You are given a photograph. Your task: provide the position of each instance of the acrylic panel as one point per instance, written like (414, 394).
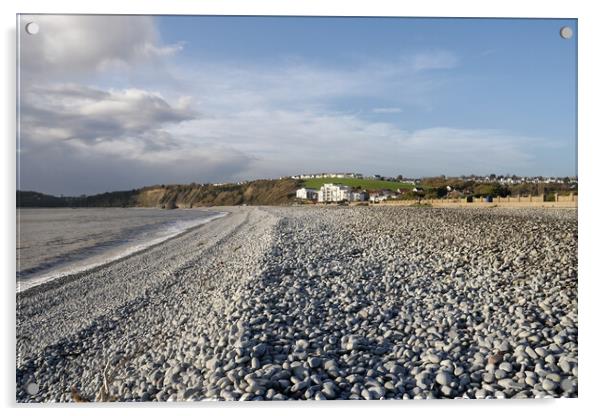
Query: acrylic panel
(295, 208)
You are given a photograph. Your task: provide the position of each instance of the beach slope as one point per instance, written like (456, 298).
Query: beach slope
(317, 303)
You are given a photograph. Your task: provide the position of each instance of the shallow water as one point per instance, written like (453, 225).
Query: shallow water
(55, 242)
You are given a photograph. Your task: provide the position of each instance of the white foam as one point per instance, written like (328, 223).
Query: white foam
(174, 230)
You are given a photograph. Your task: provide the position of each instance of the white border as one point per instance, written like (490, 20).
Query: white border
(590, 33)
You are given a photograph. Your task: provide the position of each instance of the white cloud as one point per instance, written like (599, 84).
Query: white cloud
(78, 139)
(301, 85)
(92, 115)
(434, 60)
(284, 142)
(80, 44)
(387, 110)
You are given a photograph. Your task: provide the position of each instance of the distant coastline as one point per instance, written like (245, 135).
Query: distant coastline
(283, 191)
(260, 192)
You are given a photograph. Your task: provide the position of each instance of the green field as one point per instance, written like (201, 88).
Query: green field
(366, 184)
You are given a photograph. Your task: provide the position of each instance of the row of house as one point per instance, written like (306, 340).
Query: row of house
(352, 175)
(228, 183)
(513, 179)
(327, 175)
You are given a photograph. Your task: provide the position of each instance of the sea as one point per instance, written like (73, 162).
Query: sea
(54, 242)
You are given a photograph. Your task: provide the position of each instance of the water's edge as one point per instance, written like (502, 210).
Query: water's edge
(27, 284)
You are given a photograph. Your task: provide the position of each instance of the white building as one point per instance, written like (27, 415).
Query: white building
(334, 193)
(376, 198)
(359, 196)
(307, 193)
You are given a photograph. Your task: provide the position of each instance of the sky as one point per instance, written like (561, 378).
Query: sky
(119, 102)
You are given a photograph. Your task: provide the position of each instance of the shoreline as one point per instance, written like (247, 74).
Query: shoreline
(276, 303)
(28, 284)
(124, 278)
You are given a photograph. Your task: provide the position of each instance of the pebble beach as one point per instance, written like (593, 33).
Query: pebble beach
(317, 303)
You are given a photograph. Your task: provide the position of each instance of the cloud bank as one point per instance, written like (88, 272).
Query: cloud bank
(77, 134)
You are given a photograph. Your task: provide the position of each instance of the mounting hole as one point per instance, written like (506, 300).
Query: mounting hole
(32, 388)
(32, 28)
(566, 32)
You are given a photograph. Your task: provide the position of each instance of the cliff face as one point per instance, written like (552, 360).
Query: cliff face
(264, 192)
(261, 192)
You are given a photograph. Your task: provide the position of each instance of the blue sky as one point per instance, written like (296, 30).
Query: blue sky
(230, 98)
(505, 67)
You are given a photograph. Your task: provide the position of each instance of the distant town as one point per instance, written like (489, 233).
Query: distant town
(492, 178)
(356, 187)
(504, 179)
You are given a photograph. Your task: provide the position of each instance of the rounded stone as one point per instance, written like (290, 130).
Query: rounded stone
(443, 378)
(314, 362)
(568, 386)
(549, 385)
(505, 366)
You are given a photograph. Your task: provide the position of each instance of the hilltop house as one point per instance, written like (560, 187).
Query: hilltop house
(380, 196)
(307, 193)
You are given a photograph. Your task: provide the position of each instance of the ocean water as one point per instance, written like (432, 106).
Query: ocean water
(56, 242)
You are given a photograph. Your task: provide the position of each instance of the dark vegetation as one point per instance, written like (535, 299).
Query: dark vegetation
(437, 188)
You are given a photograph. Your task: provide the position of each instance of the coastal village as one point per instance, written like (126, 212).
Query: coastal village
(371, 189)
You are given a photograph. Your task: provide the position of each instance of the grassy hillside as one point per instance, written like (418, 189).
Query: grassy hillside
(366, 184)
(260, 192)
